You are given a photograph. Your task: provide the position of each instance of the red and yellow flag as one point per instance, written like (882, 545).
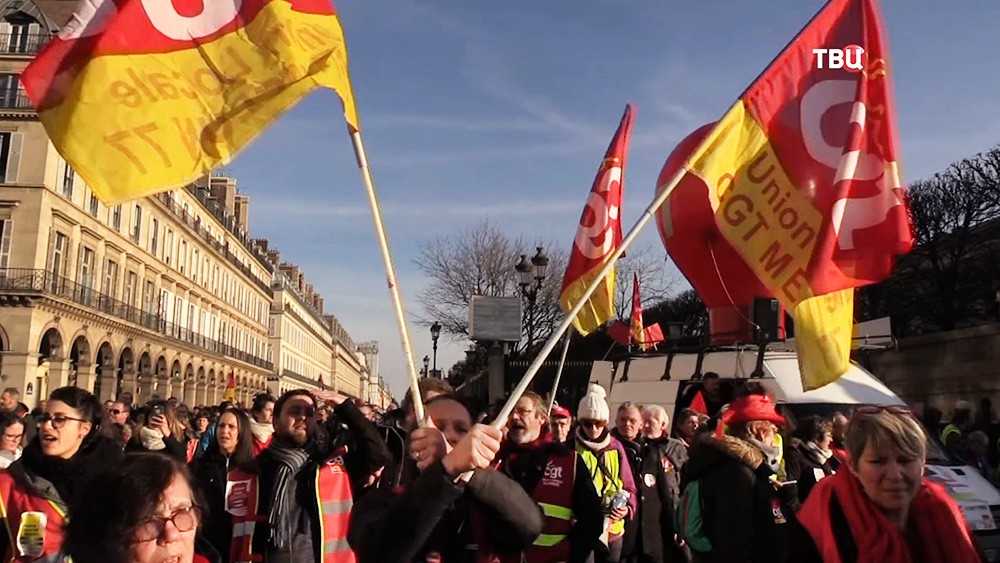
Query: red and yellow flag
(230, 392)
(599, 234)
(636, 327)
(804, 180)
(141, 96)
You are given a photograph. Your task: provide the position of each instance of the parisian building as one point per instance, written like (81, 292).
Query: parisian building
(163, 296)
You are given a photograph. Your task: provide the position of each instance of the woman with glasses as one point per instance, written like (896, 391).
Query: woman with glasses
(144, 510)
(231, 448)
(880, 508)
(159, 430)
(609, 470)
(11, 437)
(36, 489)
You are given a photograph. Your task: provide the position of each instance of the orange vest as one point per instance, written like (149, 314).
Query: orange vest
(333, 499)
(554, 494)
(34, 524)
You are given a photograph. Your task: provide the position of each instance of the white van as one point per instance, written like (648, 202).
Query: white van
(661, 380)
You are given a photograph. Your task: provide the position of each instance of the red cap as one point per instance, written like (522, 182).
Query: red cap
(750, 408)
(559, 412)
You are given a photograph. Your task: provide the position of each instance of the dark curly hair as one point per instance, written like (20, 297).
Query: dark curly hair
(114, 501)
(86, 404)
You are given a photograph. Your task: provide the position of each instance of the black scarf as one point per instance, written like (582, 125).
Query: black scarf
(290, 461)
(64, 474)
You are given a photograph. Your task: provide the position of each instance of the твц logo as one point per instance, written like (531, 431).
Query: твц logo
(851, 57)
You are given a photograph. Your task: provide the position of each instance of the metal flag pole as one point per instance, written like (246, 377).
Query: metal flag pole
(390, 273)
(562, 363)
(536, 364)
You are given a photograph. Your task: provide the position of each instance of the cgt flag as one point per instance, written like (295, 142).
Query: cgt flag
(599, 234)
(230, 393)
(141, 96)
(804, 180)
(635, 326)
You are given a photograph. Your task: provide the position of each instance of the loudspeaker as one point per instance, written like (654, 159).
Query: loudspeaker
(766, 313)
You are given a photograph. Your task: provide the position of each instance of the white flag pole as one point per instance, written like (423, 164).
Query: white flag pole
(562, 362)
(651, 210)
(390, 272)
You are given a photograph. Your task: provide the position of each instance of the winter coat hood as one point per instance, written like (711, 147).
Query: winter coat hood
(710, 451)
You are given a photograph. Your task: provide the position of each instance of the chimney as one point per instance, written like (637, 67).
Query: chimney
(242, 211)
(224, 190)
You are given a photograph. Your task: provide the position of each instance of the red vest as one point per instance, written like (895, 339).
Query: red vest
(34, 525)
(333, 501)
(554, 494)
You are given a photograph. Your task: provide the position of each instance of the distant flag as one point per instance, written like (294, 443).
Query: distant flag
(645, 337)
(804, 178)
(140, 98)
(599, 234)
(230, 393)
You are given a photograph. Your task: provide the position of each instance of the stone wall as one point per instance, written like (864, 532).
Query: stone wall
(940, 369)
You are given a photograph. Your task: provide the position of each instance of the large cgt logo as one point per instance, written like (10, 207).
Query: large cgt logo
(596, 239)
(92, 17)
(848, 214)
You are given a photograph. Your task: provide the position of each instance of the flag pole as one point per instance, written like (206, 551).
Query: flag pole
(633, 233)
(562, 363)
(390, 273)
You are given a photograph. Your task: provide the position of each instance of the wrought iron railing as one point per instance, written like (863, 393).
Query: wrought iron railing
(23, 280)
(15, 99)
(18, 43)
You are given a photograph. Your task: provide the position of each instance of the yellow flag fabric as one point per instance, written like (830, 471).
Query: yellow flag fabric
(148, 104)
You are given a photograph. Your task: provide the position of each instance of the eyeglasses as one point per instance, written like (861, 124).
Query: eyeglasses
(184, 519)
(301, 410)
(593, 423)
(57, 420)
(13, 436)
(523, 412)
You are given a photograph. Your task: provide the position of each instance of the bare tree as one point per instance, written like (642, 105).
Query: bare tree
(655, 284)
(946, 282)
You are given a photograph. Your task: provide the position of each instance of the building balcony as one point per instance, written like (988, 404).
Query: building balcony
(22, 282)
(15, 99)
(17, 43)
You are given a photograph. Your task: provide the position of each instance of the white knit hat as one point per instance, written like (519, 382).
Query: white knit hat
(593, 406)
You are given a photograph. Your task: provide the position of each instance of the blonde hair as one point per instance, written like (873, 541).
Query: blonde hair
(751, 429)
(901, 432)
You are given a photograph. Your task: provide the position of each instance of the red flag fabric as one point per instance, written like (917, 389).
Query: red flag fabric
(638, 336)
(598, 236)
(803, 177)
(230, 393)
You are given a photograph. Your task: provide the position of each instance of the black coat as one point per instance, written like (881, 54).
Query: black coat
(803, 467)
(633, 451)
(658, 483)
(527, 466)
(210, 471)
(743, 514)
(435, 515)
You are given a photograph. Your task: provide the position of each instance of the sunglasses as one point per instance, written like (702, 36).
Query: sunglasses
(301, 410)
(115, 412)
(593, 423)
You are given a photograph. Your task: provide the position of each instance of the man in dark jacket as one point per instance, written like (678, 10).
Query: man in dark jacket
(628, 427)
(525, 457)
(744, 518)
(663, 458)
(396, 426)
(291, 528)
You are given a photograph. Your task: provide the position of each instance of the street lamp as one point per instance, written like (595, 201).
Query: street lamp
(427, 362)
(435, 333)
(532, 273)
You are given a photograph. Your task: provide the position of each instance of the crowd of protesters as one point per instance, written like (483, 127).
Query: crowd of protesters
(317, 477)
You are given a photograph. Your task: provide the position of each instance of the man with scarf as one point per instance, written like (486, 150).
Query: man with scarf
(530, 457)
(294, 519)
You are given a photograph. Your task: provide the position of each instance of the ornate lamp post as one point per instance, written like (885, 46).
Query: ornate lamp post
(532, 273)
(435, 334)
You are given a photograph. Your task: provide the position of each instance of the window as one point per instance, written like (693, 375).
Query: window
(136, 223)
(10, 152)
(116, 218)
(154, 235)
(168, 248)
(92, 206)
(182, 256)
(147, 298)
(6, 232)
(11, 95)
(130, 288)
(69, 176)
(195, 265)
(86, 273)
(58, 261)
(110, 287)
(21, 38)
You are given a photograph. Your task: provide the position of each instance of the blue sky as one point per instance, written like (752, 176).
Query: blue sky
(502, 110)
